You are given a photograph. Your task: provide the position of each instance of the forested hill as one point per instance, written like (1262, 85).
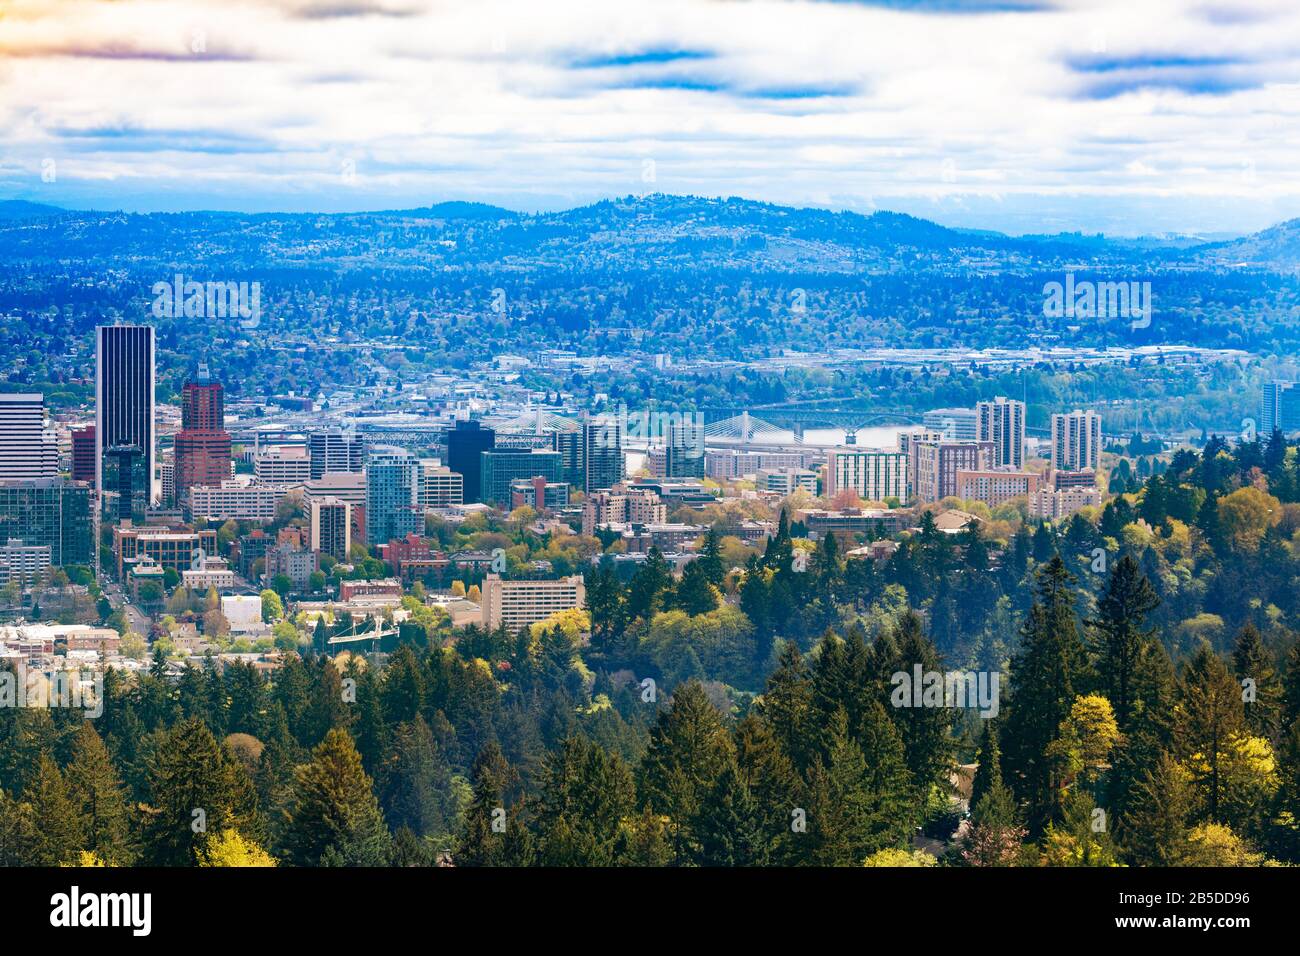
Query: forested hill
(747, 278)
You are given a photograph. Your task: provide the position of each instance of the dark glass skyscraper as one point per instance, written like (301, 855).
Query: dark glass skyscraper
(465, 443)
(124, 389)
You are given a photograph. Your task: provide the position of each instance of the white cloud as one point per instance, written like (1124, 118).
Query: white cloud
(1074, 110)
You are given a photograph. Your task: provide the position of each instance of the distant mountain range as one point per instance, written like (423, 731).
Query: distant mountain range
(717, 231)
(684, 275)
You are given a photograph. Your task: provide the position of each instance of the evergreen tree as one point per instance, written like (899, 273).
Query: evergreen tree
(1154, 830)
(584, 795)
(415, 783)
(729, 826)
(194, 788)
(988, 774)
(487, 823)
(710, 559)
(855, 807)
(97, 791)
(335, 818)
(687, 752)
(58, 829)
(1208, 714)
(768, 773)
(649, 583)
(1120, 633)
(695, 595)
(1044, 676)
(925, 731)
(1262, 696)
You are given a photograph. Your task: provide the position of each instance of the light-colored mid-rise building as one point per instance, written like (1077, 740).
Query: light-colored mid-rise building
(955, 424)
(440, 487)
(622, 505)
(994, 486)
(875, 474)
(729, 463)
(29, 448)
(784, 481)
(210, 573)
(342, 485)
(243, 612)
(517, 604)
(237, 498)
(1057, 504)
(909, 437)
(284, 467)
(22, 563)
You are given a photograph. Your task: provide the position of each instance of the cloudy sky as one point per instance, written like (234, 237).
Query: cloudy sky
(1123, 116)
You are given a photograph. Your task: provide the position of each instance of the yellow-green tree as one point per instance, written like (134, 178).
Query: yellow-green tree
(229, 848)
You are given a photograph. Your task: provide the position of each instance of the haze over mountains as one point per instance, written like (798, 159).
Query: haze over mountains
(743, 232)
(672, 272)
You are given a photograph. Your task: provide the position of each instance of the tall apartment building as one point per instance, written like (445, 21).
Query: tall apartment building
(937, 464)
(392, 495)
(572, 446)
(956, 424)
(681, 455)
(203, 444)
(465, 444)
(910, 436)
(83, 454)
(500, 466)
(440, 487)
(334, 450)
(124, 397)
(28, 446)
(874, 474)
(1002, 422)
(346, 487)
(603, 441)
(331, 526)
(49, 512)
(993, 487)
(517, 604)
(1279, 407)
(1076, 441)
